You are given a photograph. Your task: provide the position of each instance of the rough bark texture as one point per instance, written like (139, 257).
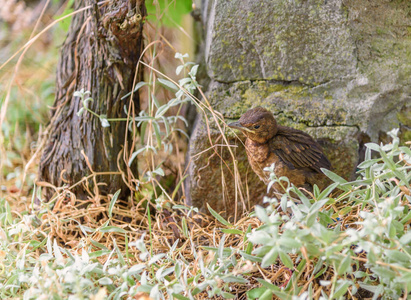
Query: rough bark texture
(339, 70)
(100, 55)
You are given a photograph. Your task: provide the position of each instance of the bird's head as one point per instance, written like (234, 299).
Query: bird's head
(258, 124)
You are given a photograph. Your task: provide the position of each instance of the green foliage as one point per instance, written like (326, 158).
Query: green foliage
(171, 11)
(65, 24)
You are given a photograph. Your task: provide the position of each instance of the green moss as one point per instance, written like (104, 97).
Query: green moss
(405, 136)
(226, 66)
(404, 116)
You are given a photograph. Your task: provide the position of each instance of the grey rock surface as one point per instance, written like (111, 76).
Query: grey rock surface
(306, 41)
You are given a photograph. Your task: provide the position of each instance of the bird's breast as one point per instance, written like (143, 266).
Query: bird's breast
(256, 151)
(259, 157)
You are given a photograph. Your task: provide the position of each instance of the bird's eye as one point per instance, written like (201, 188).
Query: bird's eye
(256, 126)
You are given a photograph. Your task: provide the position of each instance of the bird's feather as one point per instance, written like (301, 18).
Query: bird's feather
(298, 150)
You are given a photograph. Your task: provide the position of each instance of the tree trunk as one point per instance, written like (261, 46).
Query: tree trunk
(100, 55)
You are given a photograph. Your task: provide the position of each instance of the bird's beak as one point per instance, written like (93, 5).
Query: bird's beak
(237, 125)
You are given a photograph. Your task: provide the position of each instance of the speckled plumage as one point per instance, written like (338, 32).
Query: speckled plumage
(295, 153)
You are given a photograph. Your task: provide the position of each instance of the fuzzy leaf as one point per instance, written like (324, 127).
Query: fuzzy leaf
(168, 84)
(218, 217)
(112, 202)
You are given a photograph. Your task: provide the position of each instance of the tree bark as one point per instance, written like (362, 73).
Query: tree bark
(100, 55)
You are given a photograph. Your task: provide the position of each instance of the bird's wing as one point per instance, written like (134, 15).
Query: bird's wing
(298, 150)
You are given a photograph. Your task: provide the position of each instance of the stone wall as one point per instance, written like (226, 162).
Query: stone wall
(339, 70)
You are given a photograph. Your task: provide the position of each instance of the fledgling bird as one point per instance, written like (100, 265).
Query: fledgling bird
(295, 153)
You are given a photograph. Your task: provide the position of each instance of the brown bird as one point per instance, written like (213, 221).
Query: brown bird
(295, 153)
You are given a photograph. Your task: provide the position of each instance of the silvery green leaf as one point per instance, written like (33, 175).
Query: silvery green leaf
(398, 256)
(193, 70)
(45, 257)
(325, 282)
(334, 177)
(218, 217)
(49, 246)
(159, 171)
(269, 258)
(112, 229)
(232, 231)
(387, 147)
(182, 132)
(221, 247)
(178, 269)
(136, 88)
(261, 214)
(284, 178)
(345, 265)
(155, 293)
(228, 295)
(250, 257)
(184, 227)
(78, 93)
(184, 81)
(168, 84)
(136, 269)
(86, 101)
(112, 202)
(157, 133)
(88, 268)
(270, 184)
(289, 242)
(166, 125)
(406, 239)
(327, 190)
(105, 281)
(284, 200)
(341, 289)
(368, 287)
(268, 285)
(318, 205)
(162, 110)
(260, 237)
(179, 69)
(57, 253)
(156, 258)
(181, 56)
(84, 256)
(133, 156)
(373, 146)
(286, 260)
(256, 293)
(302, 197)
(103, 120)
(80, 112)
(143, 118)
